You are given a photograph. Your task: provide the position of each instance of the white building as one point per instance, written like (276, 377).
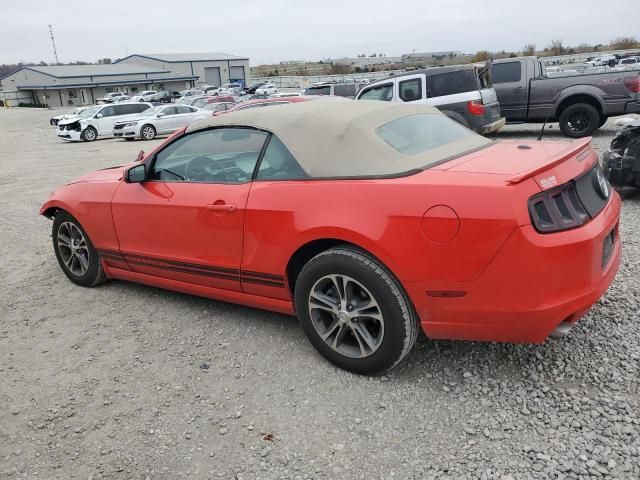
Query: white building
(67, 85)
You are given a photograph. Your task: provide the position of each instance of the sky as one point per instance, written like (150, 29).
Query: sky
(269, 31)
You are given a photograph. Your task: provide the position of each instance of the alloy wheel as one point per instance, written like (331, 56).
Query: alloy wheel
(148, 133)
(346, 316)
(579, 122)
(73, 248)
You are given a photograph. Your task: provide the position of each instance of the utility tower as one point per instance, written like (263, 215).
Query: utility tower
(53, 42)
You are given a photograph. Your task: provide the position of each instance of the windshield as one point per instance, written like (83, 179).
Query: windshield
(88, 112)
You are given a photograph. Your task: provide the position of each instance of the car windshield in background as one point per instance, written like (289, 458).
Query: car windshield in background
(88, 112)
(420, 133)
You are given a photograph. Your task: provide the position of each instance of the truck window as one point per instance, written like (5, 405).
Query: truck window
(452, 83)
(382, 92)
(348, 90)
(410, 90)
(506, 72)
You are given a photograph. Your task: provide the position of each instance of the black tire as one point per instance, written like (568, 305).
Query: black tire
(94, 274)
(603, 120)
(89, 134)
(579, 120)
(148, 132)
(399, 321)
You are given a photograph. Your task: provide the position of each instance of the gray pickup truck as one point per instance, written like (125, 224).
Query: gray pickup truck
(580, 103)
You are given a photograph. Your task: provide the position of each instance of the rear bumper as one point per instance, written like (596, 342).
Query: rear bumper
(633, 107)
(492, 127)
(535, 283)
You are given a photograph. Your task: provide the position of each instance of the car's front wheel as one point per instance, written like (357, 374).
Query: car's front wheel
(148, 132)
(354, 312)
(75, 253)
(89, 134)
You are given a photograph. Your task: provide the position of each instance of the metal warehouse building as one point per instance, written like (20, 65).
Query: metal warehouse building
(67, 85)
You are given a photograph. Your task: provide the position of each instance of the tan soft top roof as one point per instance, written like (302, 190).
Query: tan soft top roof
(338, 139)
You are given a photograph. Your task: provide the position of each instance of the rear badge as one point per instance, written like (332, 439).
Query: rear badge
(548, 182)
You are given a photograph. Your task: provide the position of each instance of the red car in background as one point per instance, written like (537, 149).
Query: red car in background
(365, 219)
(265, 102)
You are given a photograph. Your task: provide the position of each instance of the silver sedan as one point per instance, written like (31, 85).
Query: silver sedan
(162, 120)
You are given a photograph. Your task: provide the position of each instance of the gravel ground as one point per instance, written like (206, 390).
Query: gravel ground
(130, 382)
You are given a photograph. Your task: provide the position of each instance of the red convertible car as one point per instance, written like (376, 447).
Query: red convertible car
(364, 219)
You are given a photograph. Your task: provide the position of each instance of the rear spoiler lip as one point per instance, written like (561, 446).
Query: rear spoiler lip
(573, 149)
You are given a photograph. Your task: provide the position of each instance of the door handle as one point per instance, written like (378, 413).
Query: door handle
(221, 207)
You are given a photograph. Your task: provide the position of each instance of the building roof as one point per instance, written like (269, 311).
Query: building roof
(70, 71)
(186, 57)
(339, 139)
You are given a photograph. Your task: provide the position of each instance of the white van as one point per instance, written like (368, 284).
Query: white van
(98, 121)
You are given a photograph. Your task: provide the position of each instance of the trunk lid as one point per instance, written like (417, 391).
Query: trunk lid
(549, 163)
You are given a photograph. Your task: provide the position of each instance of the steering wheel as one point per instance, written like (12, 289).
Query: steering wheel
(203, 169)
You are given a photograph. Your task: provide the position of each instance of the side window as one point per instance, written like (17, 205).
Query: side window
(382, 92)
(221, 155)
(410, 90)
(184, 109)
(169, 110)
(348, 90)
(278, 163)
(506, 72)
(108, 111)
(123, 110)
(453, 82)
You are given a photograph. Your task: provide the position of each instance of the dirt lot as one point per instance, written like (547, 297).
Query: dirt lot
(129, 382)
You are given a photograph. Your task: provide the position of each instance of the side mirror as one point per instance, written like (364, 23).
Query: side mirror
(140, 156)
(136, 174)
(99, 115)
(160, 115)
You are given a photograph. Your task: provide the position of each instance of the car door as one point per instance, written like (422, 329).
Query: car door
(185, 223)
(167, 120)
(105, 119)
(509, 83)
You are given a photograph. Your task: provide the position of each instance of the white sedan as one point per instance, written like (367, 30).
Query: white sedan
(267, 89)
(146, 96)
(162, 120)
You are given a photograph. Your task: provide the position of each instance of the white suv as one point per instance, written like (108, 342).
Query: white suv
(98, 121)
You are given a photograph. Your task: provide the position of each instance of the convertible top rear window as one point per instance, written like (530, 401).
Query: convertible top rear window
(423, 132)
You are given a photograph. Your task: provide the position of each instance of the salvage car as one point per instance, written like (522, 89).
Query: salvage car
(96, 122)
(463, 93)
(157, 121)
(581, 103)
(367, 220)
(65, 116)
(622, 161)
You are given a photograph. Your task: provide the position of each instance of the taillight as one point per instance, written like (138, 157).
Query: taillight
(632, 83)
(558, 209)
(475, 107)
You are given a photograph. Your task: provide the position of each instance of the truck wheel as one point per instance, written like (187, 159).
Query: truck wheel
(579, 120)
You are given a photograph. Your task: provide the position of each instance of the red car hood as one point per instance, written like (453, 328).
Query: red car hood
(106, 175)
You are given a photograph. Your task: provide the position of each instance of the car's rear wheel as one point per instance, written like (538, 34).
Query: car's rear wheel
(75, 252)
(148, 132)
(89, 134)
(354, 312)
(579, 120)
